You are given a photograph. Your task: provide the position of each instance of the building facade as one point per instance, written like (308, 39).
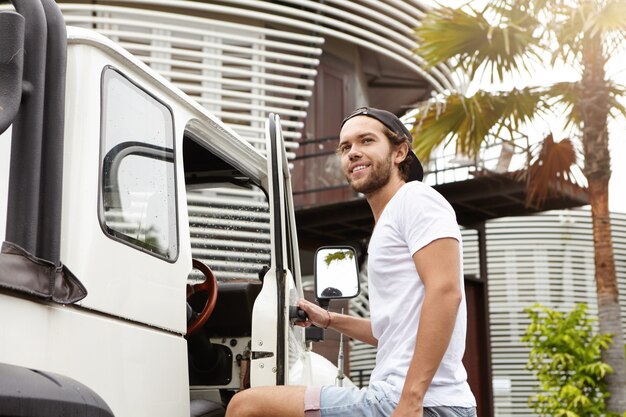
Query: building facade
(244, 59)
(548, 259)
(309, 62)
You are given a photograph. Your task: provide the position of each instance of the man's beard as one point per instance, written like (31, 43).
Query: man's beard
(379, 176)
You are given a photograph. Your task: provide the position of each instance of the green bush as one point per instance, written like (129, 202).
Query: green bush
(565, 357)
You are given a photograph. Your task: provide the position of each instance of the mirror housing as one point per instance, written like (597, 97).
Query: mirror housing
(336, 274)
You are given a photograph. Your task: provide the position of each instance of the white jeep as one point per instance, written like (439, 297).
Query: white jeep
(112, 185)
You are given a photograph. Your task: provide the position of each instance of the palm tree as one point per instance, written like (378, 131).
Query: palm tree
(508, 38)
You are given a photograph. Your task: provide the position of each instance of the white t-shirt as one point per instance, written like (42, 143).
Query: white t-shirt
(415, 216)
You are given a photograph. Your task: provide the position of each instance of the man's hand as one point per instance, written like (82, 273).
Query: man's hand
(317, 315)
(353, 327)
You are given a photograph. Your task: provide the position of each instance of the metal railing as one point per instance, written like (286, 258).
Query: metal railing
(498, 157)
(317, 157)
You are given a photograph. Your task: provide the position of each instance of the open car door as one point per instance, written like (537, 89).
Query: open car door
(276, 344)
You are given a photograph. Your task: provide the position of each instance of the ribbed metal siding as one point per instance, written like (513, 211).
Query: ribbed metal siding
(230, 231)
(547, 259)
(240, 72)
(362, 355)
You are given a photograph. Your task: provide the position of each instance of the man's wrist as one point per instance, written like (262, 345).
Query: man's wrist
(329, 321)
(410, 406)
(413, 397)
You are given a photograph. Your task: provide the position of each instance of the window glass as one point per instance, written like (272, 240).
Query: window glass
(230, 231)
(138, 196)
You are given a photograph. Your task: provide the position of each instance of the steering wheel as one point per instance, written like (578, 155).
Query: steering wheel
(209, 285)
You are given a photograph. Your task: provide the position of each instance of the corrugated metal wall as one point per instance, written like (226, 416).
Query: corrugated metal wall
(547, 259)
(230, 231)
(240, 72)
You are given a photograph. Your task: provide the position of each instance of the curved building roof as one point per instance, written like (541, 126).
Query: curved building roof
(243, 59)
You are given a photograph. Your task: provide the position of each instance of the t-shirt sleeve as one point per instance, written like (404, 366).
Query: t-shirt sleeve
(426, 216)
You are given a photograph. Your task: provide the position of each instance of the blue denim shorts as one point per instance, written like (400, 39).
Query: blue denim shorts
(373, 401)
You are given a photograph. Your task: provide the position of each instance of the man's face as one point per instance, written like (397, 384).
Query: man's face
(367, 157)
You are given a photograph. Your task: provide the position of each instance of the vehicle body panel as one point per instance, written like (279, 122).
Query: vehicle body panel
(113, 285)
(125, 339)
(137, 370)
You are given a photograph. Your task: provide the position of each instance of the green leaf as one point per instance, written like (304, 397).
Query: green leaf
(473, 120)
(467, 40)
(338, 256)
(570, 384)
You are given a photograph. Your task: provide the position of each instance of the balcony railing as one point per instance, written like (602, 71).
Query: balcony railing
(318, 178)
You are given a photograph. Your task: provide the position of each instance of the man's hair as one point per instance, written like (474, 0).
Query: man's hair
(397, 140)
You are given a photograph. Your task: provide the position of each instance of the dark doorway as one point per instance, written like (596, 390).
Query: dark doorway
(477, 360)
(333, 97)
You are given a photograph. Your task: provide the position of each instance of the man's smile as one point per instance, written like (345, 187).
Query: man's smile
(358, 168)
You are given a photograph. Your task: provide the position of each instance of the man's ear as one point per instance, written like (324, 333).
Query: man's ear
(402, 151)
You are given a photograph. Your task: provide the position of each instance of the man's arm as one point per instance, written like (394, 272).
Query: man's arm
(438, 265)
(354, 327)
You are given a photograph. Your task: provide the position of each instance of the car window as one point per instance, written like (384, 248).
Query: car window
(138, 186)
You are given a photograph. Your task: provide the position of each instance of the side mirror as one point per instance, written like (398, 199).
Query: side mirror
(336, 273)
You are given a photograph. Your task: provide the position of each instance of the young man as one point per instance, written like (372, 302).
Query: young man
(417, 302)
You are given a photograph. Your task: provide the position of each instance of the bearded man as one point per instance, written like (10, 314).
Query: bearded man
(417, 303)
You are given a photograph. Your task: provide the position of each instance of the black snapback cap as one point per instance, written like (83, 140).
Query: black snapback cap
(391, 121)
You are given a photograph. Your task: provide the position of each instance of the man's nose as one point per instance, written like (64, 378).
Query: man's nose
(354, 152)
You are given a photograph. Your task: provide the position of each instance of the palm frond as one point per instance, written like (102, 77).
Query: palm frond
(533, 8)
(577, 20)
(569, 94)
(609, 18)
(472, 42)
(439, 121)
(617, 108)
(568, 29)
(447, 33)
(470, 121)
(520, 106)
(550, 172)
(610, 22)
(613, 44)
